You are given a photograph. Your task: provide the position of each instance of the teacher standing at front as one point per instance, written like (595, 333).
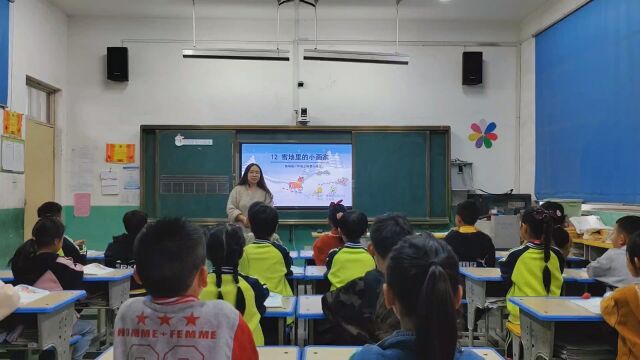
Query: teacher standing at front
(251, 188)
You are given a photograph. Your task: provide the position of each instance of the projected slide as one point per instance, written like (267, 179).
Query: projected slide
(303, 175)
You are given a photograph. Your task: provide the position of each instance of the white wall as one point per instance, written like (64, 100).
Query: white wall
(166, 89)
(549, 13)
(39, 49)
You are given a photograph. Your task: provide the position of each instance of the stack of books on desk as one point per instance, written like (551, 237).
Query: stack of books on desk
(576, 347)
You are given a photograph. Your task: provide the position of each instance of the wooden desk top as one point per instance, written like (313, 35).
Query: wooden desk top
(314, 272)
(598, 244)
(555, 309)
(329, 352)
(115, 275)
(305, 254)
(287, 310)
(52, 302)
(310, 307)
(107, 355)
(279, 352)
(577, 275)
(482, 274)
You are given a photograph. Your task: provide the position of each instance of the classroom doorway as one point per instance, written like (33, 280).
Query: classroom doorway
(39, 167)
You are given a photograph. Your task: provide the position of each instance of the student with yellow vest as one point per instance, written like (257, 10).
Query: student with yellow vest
(535, 268)
(225, 246)
(352, 261)
(263, 259)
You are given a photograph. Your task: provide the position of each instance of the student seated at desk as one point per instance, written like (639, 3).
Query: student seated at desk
(9, 300)
(119, 253)
(170, 262)
(561, 238)
(332, 240)
(473, 247)
(611, 268)
(357, 311)
(535, 268)
(263, 259)
(352, 261)
(423, 290)
(37, 263)
(621, 309)
(70, 248)
(224, 250)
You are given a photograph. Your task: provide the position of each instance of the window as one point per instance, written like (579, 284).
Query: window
(41, 101)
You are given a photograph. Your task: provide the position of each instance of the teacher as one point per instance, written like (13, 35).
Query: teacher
(251, 188)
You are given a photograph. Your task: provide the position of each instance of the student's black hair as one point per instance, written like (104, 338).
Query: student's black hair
(225, 246)
(556, 208)
(335, 208)
(387, 231)
(422, 274)
(168, 254)
(540, 223)
(263, 219)
(50, 209)
(353, 225)
(244, 180)
(633, 250)
(134, 221)
(629, 225)
(469, 212)
(44, 234)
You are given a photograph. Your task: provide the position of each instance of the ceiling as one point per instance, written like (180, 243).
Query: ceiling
(476, 10)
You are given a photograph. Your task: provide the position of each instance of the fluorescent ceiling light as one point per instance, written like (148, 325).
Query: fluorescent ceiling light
(237, 54)
(356, 57)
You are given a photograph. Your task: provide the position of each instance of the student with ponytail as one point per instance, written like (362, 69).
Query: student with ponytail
(535, 268)
(423, 290)
(225, 247)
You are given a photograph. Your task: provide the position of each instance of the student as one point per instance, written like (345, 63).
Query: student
(37, 263)
(70, 248)
(621, 309)
(611, 268)
(561, 238)
(535, 268)
(263, 259)
(172, 323)
(357, 309)
(473, 248)
(119, 253)
(423, 290)
(352, 261)
(224, 250)
(9, 300)
(332, 240)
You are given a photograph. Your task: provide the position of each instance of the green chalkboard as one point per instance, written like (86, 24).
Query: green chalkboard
(395, 169)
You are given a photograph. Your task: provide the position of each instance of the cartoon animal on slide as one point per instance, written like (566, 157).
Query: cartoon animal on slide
(297, 186)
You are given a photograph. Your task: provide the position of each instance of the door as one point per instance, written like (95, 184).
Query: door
(38, 170)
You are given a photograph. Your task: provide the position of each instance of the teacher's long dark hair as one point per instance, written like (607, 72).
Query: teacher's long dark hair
(422, 274)
(244, 180)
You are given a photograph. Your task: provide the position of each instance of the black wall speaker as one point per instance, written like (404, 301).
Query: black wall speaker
(118, 63)
(471, 68)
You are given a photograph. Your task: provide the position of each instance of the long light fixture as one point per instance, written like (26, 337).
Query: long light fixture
(357, 56)
(276, 54)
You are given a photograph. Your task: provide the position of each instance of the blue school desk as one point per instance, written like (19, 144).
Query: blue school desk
(309, 309)
(55, 318)
(503, 254)
(279, 352)
(95, 256)
(538, 316)
(288, 310)
(314, 273)
(295, 254)
(305, 254)
(485, 352)
(6, 276)
(329, 352)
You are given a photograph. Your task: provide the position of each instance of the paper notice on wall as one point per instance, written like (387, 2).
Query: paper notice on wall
(120, 153)
(131, 177)
(81, 204)
(110, 187)
(12, 155)
(130, 197)
(82, 175)
(12, 124)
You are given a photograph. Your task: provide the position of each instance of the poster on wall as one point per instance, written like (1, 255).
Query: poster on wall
(11, 155)
(121, 153)
(12, 124)
(81, 204)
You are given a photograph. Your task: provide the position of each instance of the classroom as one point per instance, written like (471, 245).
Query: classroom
(319, 179)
